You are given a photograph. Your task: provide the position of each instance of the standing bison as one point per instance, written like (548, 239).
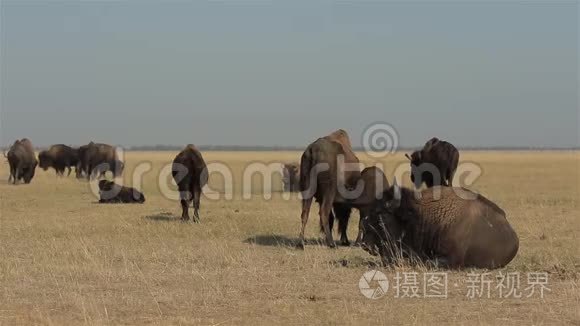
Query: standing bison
(329, 170)
(291, 177)
(190, 174)
(22, 161)
(435, 164)
(59, 157)
(374, 184)
(452, 225)
(96, 159)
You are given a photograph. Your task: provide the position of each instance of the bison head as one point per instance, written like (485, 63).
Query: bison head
(290, 176)
(422, 171)
(415, 160)
(118, 168)
(28, 172)
(139, 197)
(384, 229)
(106, 185)
(45, 161)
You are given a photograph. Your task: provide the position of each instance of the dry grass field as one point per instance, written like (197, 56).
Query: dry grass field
(64, 259)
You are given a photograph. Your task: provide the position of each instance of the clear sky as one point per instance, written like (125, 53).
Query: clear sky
(284, 73)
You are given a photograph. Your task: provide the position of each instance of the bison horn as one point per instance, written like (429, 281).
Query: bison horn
(407, 156)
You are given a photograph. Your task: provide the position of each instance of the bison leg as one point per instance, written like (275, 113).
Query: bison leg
(362, 214)
(12, 172)
(196, 199)
(18, 173)
(325, 210)
(185, 200)
(79, 170)
(184, 209)
(306, 203)
(89, 170)
(342, 214)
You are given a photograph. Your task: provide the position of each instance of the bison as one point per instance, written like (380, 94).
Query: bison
(110, 192)
(81, 164)
(435, 164)
(290, 177)
(451, 225)
(374, 184)
(22, 161)
(96, 159)
(190, 174)
(329, 170)
(59, 157)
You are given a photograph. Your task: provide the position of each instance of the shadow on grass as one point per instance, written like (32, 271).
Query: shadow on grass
(163, 217)
(274, 240)
(357, 262)
(18, 183)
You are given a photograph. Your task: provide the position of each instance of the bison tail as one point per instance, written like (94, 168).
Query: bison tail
(305, 170)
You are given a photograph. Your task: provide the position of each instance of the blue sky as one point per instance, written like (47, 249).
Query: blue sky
(285, 73)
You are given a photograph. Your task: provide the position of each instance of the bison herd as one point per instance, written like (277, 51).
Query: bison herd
(452, 226)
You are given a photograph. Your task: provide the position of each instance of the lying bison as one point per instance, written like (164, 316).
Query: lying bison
(452, 225)
(59, 157)
(190, 174)
(291, 177)
(329, 170)
(110, 192)
(435, 164)
(22, 161)
(96, 159)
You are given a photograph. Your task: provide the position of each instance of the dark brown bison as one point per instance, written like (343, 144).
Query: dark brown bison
(110, 192)
(435, 164)
(96, 159)
(190, 174)
(22, 161)
(329, 173)
(81, 164)
(374, 184)
(291, 177)
(59, 157)
(451, 225)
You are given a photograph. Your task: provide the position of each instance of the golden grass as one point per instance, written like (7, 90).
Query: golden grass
(66, 260)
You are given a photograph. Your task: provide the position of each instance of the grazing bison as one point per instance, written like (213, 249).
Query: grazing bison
(96, 159)
(190, 174)
(453, 225)
(110, 192)
(374, 184)
(291, 176)
(81, 164)
(22, 161)
(435, 164)
(329, 170)
(59, 157)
